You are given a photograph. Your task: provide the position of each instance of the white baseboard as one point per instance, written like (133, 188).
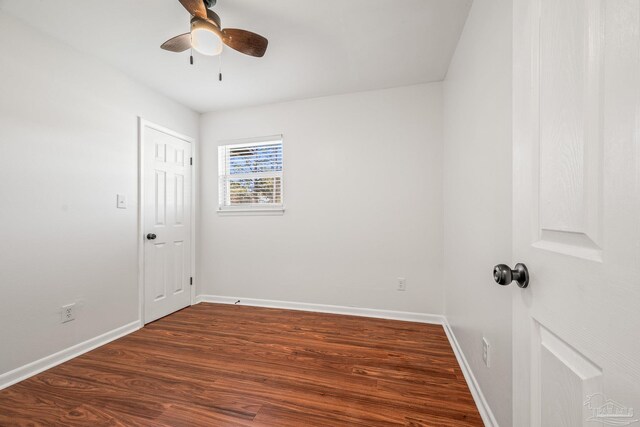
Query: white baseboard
(483, 406)
(33, 368)
(322, 308)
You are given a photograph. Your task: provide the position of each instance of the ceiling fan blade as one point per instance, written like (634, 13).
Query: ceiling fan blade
(195, 8)
(178, 43)
(245, 41)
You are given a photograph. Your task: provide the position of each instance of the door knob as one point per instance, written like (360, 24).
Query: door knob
(503, 275)
(151, 236)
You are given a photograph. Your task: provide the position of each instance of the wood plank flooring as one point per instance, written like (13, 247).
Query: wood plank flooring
(225, 365)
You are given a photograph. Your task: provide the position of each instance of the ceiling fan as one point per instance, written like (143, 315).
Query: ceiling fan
(207, 36)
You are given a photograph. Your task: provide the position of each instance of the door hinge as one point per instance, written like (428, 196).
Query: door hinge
(191, 161)
(191, 280)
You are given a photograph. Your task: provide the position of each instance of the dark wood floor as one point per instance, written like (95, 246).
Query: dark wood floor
(211, 365)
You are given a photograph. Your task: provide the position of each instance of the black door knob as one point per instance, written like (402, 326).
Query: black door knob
(151, 236)
(504, 275)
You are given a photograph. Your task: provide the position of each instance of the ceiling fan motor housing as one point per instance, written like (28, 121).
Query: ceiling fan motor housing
(209, 3)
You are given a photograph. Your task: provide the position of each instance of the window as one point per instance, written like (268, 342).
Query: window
(250, 175)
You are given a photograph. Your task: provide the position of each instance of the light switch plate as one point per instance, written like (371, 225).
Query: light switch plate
(121, 201)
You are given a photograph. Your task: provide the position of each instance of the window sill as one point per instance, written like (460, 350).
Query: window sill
(251, 212)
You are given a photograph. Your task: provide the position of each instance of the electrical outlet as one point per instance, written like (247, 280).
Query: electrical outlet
(68, 313)
(485, 351)
(402, 284)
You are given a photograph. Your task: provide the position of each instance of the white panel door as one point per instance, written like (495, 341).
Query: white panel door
(167, 223)
(576, 212)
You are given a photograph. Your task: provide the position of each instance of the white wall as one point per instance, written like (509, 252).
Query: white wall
(68, 144)
(477, 196)
(363, 196)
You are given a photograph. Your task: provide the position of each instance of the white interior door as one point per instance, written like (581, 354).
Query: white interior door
(167, 222)
(576, 212)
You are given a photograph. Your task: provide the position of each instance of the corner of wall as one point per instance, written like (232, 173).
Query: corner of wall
(477, 224)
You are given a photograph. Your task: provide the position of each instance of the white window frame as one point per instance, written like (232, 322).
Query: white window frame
(256, 209)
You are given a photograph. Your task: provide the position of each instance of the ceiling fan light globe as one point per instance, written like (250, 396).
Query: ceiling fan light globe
(204, 39)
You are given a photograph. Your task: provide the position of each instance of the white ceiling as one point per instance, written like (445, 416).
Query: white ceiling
(316, 48)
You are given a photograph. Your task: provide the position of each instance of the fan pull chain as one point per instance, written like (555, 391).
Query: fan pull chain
(220, 67)
(191, 49)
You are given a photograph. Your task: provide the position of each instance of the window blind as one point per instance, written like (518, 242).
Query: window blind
(250, 174)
